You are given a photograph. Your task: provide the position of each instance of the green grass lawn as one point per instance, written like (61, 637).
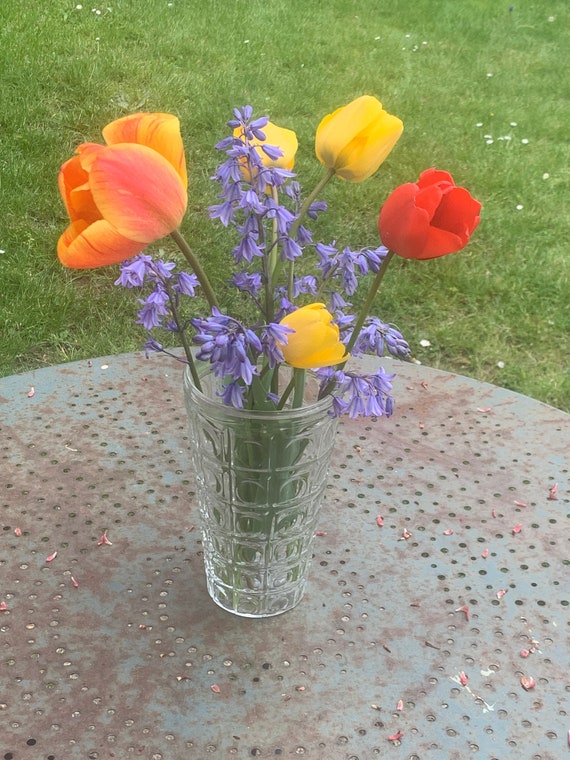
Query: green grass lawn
(479, 84)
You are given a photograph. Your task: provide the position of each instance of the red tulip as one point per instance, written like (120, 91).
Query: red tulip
(125, 195)
(429, 218)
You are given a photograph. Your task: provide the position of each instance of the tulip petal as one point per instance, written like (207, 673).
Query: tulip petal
(403, 226)
(86, 246)
(458, 212)
(137, 191)
(315, 341)
(72, 182)
(159, 131)
(283, 138)
(356, 139)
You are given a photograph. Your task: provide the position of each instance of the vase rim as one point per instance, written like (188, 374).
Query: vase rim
(311, 407)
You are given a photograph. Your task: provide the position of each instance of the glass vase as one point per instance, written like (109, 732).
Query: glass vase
(260, 480)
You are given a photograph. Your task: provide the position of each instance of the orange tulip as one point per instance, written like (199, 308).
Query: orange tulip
(125, 195)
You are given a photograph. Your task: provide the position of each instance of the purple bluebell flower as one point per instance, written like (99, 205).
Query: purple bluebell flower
(231, 348)
(366, 395)
(154, 308)
(233, 394)
(377, 336)
(247, 282)
(307, 284)
(186, 284)
(272, 335)
(134, 271)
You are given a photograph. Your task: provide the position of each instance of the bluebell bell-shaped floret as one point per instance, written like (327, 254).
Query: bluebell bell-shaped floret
(134, 271)
(366, 395)
(160, 270)
(249, 201)
(290, 249)
(223, 211)
(224, 143)
(346, 263)
(151, 345)
(186, 284)
(255, 128)
(374, 257)
(293, 190)
(272, 151)
(284, 305)
(233, 394)
(337, 303)
(153, 309)
(248, 282)
(227, 345)
(304, 236)
(305, 285)
(316, 208)
(247, 249)
(327, 257)
(272, 335)
(281, 214)
(229, 172)
(377, 336)
(397, 345)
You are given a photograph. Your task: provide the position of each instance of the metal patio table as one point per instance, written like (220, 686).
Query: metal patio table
(435, 625)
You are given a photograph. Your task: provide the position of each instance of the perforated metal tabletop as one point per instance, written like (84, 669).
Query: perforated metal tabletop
(410, 641)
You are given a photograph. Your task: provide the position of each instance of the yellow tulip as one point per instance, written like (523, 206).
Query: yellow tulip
(315, 342)
(282, 138)
(354, 140)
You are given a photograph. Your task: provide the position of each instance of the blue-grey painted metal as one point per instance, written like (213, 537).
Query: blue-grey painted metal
(114, 650)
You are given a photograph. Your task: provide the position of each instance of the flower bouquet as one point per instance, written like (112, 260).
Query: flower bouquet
(263, 394)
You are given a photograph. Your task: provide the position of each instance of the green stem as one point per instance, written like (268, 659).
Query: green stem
(184, 339)
(196, 266)
(299, 377)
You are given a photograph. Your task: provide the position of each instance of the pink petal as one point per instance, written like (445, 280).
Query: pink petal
(380, 520)
(51, 557)
(463, 679)
(528, 683)
(517, 529)
(395, 737)
(464, 609)
(3, 606)
(519, 504)
(485, 553)
(17, 532)
(31, 392)
(501, 592)
(215, 688)
(74, 582)
(104, 540)
(525, 652)
(448, 532)
(400, 705)
(552, 491)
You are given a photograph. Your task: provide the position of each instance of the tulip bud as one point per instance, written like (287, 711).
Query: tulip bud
(315, 342)
(354, 140)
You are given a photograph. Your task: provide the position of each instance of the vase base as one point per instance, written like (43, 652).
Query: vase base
(244, 603)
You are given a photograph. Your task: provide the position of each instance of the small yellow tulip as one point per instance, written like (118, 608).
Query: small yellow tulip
(315, 342)
(354, 140)
(282, 138)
